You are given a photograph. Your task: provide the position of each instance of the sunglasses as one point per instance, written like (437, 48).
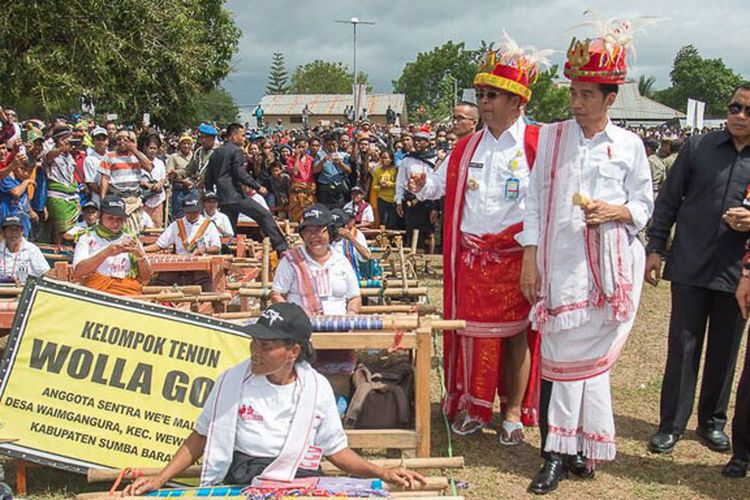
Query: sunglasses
(736, 108)
(489, 94)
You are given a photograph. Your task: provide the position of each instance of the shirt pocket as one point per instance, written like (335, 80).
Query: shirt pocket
(610, 180)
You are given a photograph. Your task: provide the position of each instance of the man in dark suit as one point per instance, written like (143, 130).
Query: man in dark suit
(706, 195)
(227, 177)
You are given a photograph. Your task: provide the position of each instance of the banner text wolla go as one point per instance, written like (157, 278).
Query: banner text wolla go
(90, 380)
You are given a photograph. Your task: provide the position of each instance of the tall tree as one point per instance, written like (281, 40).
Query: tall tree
(278, 80)
(133, 57)
(646, 85)
(421, 79)
(549, 100)
(322, 77)
(707, 80)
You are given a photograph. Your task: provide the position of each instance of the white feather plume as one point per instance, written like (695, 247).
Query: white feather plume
(617, 31)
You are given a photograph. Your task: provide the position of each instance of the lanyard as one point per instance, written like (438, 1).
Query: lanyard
(15, 261)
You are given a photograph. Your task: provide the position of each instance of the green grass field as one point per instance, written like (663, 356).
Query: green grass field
(493, 471)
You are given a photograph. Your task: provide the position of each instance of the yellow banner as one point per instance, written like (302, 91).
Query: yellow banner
(90, 380)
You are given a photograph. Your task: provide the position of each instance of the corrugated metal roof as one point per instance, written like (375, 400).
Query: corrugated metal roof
(329, 104)
(632, 106)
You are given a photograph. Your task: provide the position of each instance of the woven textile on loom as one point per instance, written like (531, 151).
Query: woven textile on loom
(345, 323)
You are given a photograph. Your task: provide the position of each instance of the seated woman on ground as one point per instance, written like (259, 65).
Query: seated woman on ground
(109, 259)
(283, 422)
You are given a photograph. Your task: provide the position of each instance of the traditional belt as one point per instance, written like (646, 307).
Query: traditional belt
(474, 247)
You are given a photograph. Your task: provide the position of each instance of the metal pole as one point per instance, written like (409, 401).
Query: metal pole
(355, 90)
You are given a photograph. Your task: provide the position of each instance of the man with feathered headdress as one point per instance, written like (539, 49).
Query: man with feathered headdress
(589, 195)
(485, 185)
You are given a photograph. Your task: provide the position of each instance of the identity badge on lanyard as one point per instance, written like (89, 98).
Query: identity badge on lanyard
(513, 184)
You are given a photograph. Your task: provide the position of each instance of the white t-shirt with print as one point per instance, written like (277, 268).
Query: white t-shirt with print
(90, 244)
(335, 281)
(265, 414)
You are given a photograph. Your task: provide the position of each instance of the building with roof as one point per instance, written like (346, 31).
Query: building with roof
(630, 108)
(325, 108)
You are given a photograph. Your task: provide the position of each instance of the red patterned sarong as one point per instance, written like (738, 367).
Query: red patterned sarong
(490, 300)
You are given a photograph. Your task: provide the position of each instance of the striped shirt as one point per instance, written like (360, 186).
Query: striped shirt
(124, 172)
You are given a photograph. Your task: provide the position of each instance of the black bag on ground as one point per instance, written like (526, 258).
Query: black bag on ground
(382, 399)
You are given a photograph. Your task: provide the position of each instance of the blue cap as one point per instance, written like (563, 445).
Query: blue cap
(207, 129)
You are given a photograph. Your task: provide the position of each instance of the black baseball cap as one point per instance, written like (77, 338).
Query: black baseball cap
(191, 204)
(339, 218)
(315, 215)
(210, 195)
(12, 220)
(282, 321)
(113, 205)
(90, 204)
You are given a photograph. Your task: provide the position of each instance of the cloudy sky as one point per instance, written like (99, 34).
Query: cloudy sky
(305, 31)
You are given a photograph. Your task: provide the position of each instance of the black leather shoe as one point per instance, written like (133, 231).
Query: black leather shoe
(735, 468)
(578, 465)
(663, 442)
(714, 439)
(548, 477)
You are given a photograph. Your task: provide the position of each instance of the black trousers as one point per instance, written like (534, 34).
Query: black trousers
(741, 420)
(387, 213)
(263, 217)
(185, 278)
(417, 216)
(692, 309)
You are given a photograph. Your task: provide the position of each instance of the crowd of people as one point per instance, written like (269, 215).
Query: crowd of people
(541, 228)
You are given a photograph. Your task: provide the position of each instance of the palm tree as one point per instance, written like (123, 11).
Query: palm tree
(646, 85)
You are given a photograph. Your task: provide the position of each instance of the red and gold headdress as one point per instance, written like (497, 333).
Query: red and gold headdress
(603, 59)
(512, 68)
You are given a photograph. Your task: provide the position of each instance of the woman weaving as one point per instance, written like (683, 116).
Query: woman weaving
(283, 422)
(314, 276)
(109, 259)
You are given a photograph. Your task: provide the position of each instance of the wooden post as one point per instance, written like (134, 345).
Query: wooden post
(241, 245)
(265, 271)
(423, 361)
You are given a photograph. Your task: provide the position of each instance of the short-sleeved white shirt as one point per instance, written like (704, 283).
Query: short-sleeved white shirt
(91, 172)
(368, 216)
(338, 246)
(171, 236)
(265, 414)
(90, 244)
(158, 173)
(222, 222)
(28, 261)
(335, 281)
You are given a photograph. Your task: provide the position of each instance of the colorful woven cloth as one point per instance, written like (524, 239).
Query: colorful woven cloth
(345, 323)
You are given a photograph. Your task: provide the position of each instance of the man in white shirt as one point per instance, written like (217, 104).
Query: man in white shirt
(485, 185)
(94, 157)
(20, 258)
(191, 234)
(418, 214)
(212, 213)
(589, 195)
